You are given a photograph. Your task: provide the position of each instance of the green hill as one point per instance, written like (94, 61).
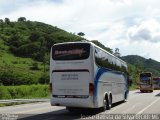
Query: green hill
(24, 50)
(144, 64)
(32, 39)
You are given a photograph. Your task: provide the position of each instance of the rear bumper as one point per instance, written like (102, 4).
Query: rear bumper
(156, 88)
(73, 102)
(146, 89)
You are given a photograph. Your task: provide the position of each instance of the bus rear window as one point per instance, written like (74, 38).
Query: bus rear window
(145, 75)
(72, 51)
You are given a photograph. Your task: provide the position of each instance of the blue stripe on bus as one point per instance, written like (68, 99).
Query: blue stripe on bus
(99, 73)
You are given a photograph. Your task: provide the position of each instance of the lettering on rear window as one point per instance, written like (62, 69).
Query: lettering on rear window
(72, 51)
(69, 76)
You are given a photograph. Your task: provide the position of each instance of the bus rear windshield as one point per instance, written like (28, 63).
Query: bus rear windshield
(72, 51)
(145, 75)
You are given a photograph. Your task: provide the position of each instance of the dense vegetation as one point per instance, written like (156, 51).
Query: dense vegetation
(24, 91)
(143, 64)
(24, 50)
(32, 39)
(24, 56)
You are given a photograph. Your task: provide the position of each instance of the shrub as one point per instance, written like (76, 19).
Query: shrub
(24, 91)
(34, 66)
(17, 78)
(44, 79)
(4, 94)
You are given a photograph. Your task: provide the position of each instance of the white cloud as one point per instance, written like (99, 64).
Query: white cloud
(148, 30)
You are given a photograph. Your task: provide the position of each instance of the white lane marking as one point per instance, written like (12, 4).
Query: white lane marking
(148, 106)
(129, 109)
(116, 108)
(123, 104)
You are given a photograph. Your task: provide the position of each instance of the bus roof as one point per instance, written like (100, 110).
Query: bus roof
(108, 53)
(85, 41)
(145, 72)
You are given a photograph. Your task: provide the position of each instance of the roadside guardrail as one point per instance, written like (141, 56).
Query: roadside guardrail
(22, 100)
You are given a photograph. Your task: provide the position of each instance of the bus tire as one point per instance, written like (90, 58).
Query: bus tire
(125, 97)
(107, 103)
(110, 102)
(104, 108)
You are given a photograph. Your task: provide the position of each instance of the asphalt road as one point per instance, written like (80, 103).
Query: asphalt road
(137, 104)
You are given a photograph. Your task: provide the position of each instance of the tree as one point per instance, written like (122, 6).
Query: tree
(117, 54)
(81, 34)
(1, 21)
(34, 36)
(1, 24)
(21, 19)
(7, 20)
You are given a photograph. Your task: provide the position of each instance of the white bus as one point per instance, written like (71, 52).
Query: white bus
(83, 75)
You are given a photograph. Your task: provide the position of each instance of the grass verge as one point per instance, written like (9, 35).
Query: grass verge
(24, 92)
(133, 87)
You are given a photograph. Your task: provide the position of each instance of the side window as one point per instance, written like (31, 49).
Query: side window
(99, 58)
(105, 60)
(102, 59)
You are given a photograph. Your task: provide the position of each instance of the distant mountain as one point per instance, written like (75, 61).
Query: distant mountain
(143, 63)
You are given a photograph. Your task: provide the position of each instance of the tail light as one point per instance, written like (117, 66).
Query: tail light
(91, 88)
(50, 87)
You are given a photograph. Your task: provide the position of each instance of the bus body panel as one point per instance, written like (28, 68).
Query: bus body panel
(70, 82)
(71, 79)
(109, 83)
(73, 102)
(107, 80)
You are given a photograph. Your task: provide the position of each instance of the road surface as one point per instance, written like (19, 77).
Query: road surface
(137, 104)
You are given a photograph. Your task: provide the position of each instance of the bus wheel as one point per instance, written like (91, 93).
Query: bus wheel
(125, 97)
(107, 103)
(104, 108)
(142, 91)
(151, 91)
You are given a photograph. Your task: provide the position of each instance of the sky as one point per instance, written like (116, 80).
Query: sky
(133, 26)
